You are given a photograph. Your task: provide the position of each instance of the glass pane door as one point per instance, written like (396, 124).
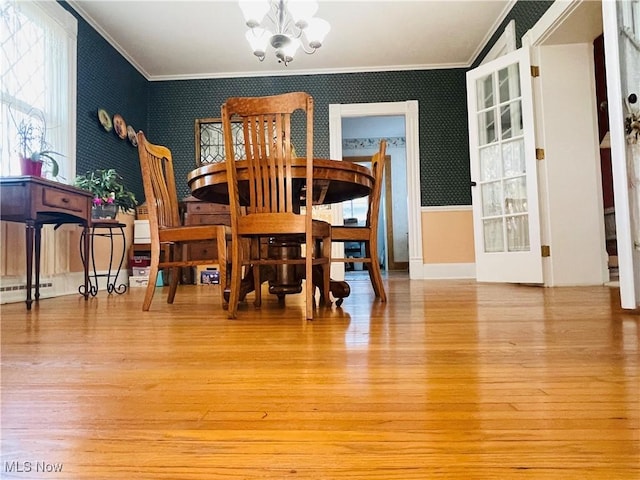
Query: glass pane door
(502, 154)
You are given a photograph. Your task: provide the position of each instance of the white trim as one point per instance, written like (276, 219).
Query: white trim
(57, 13)
(448, 208)
(51, 286)
(549, 22)
(293, 73)
(618, 157)
(447, 271)
(505, 44)
(57, 285)
(409, 110)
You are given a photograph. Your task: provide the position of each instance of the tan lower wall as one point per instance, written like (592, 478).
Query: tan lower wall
(447, 235)
(447, 238)
(12, 259)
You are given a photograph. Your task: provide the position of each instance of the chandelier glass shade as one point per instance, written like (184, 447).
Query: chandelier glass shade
(286, 25)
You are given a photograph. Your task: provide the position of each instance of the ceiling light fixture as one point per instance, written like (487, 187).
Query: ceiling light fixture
(284, 24)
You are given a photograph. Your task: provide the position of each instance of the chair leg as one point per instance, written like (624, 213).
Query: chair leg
(375, 275)
(257, 286)
(326, 271)
(309, 287)
(173, 285)
(236, 276)
(257, 279)
(221, 240)
(151, 286)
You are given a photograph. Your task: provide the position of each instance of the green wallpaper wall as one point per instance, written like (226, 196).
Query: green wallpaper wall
(174, 106)
(107, 80)
(167, 110)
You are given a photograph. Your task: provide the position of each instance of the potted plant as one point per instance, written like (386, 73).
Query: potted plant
(33, 149)
(109, 193)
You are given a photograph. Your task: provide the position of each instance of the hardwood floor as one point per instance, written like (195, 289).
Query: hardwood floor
(449, 379)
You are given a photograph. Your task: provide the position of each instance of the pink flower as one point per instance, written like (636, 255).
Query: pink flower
(110, 200)
(97, 201)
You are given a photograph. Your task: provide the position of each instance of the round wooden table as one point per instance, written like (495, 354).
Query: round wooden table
(335, 181)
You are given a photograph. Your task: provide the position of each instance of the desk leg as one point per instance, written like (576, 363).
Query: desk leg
(85, 263)
(93, 289)
(38, 245)
(29, 234)
(86, 288)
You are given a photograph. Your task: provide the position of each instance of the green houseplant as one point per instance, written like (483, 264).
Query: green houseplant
(33, 149)
(109, 193)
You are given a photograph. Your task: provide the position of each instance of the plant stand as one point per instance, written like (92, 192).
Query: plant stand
(108, 229)
(102, 212)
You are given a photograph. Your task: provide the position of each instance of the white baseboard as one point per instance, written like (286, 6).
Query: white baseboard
(442, 271)
(13, 289)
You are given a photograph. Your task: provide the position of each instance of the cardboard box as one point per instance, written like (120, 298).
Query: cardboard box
(138, 281)
(141, 231)
(140, 271)
(210, 277)
(140, 261)
(204, 275)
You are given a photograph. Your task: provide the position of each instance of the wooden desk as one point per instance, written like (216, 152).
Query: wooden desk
(36, 201)
(334, 181)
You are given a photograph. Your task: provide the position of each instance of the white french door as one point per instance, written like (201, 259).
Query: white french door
(503, 171)
(621, 22)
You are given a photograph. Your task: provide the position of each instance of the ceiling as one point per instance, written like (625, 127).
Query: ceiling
(183, 39)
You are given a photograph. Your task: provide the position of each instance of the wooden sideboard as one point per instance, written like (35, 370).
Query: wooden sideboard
(35, 202)
(197, 212)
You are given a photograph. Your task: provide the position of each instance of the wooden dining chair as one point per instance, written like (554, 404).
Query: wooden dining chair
(367, 234)
(169, 238)
(273, 205)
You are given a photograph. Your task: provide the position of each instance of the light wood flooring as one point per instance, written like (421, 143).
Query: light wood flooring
(448, 380)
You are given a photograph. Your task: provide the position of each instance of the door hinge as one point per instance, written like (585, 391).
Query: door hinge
(539, 153)
(545, 250)
(535, 71)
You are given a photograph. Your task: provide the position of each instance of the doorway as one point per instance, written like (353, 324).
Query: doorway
(360, 140)
(569, 32)
(409, 111)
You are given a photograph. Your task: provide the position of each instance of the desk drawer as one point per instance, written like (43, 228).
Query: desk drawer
(203, 251)
(63, 201)
(202, 208)
(209, 219)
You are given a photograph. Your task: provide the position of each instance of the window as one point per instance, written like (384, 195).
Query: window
(38, 80)
(631, 21)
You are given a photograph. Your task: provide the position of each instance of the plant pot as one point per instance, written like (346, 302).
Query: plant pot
(104, 211)
(29, 167)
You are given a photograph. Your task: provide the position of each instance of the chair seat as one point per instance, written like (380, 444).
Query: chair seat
(191, 233)
(270, 224)
(350, 234)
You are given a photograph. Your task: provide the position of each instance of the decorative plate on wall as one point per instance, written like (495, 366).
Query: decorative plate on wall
(105, 119)
(120, 126)
(131, 133)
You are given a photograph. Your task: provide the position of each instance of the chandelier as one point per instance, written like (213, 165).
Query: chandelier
(286, 25)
